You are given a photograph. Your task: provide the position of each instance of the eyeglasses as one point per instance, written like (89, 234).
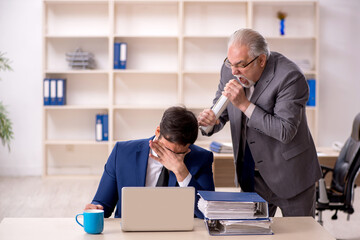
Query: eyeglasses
(237, 65)
(179, 153)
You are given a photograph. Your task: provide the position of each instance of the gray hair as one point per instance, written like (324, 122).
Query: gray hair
(252, 39)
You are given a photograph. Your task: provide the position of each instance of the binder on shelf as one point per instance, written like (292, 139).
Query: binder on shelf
(234, 213)
(53, 99)
(98, 128)
(46, 92)
(61, 91)
(120, 55)
(105, 127)
(312, 92)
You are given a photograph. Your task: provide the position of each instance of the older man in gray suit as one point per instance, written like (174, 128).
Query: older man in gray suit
(274, 152)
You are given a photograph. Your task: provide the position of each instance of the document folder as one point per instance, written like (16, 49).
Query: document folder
(232, 205)
(234, 213)
(239, 227)
(61, 91)
(46, 89)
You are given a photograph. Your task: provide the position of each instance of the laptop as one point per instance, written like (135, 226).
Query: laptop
(157, 208)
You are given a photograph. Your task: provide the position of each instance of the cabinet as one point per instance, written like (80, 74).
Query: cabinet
(175, 52)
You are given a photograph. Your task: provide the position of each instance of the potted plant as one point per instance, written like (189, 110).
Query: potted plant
(6, 133)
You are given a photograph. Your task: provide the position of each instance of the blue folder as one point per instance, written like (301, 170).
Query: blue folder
(105, 127)
(53, 90)
(231, 196)
(312, 93)
(120, 55)
(61, 91)
(46, 92)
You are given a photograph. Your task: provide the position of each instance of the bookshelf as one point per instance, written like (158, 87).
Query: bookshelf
(175, 52)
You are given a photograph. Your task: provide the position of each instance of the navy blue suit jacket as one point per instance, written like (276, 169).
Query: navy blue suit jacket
(126, 167)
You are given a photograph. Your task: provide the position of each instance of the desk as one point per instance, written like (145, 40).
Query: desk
(224, 170)
(66, 228)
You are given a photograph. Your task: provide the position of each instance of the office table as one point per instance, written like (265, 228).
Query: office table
(285, 228)
(224, 170)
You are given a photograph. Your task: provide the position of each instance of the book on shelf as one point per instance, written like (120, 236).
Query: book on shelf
(120, 55)
(221, 147)
(54, 91)
(234, 213)
(312, 92)
(102, 127)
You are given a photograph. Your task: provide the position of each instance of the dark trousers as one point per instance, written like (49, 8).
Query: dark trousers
(302, 204)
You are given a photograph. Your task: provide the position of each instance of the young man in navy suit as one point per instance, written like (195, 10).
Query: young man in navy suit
(140, 162)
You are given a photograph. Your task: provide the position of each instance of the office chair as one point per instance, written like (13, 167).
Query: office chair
(340, 195)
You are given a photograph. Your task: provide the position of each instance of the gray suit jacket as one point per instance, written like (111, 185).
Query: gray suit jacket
(277, 132)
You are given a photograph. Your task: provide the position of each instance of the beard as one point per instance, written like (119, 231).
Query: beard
(249, 83)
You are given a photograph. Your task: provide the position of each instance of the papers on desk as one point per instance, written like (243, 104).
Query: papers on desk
(221, 147)
(239, 227)
(233, 213)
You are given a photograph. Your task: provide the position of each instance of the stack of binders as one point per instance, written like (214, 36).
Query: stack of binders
(54, 91)
(235, 213)
(221, 147)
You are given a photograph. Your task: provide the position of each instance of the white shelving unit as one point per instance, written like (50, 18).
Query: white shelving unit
(175, 52)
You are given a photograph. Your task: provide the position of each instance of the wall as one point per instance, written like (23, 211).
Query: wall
(339, 69)
(20, 91)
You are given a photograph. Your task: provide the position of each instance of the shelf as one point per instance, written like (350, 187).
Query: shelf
(92, 17)
(81, 71)
(76, 107)
(146, 90)
(141, 107)
(287, 38)
(301, 16)
(48, 36)
(147, 18)
(121, 37)
(175, 52)
(56, 48)
(202, 55)
(144, 72)
(152, 55)
(226, 37)
(213, 18)
(74, 1)
(74, 142)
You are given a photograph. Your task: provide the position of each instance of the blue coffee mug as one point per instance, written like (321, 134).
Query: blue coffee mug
(93, 220)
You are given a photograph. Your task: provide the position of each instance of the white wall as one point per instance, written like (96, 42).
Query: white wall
(20, 90)
(339, 69)
(20, 37)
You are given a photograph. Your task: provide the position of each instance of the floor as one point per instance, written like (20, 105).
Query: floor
(65, 197)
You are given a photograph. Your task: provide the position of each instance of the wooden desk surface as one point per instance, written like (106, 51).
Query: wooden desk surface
(66, 228)
(224, 170)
